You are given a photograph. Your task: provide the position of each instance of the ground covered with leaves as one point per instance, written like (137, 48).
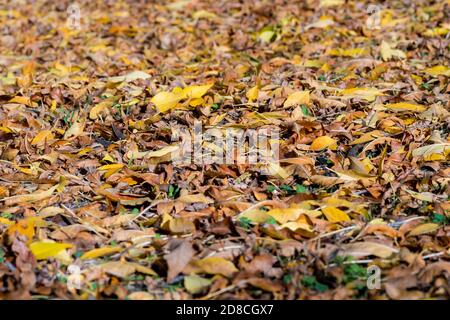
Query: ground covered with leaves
(92, 207)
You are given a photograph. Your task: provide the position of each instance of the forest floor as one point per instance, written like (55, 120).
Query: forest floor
(98, 98)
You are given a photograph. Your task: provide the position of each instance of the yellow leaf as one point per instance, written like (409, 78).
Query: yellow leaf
(75, 130)
(252, 94)
(195, 284)
(300, 224)
(266, 35)
(322, 143)
(118, 268)
(100, 252)
(436, 32)
(330, 3)
(196, 102)
(112, 166)
(216, 265)
(369, 136)
(43, 250)
(143, 269)
(256, 215)
(348, 52)
(336, 202)
(196, 92)
(283, 215)
(165, 101)
(430, 152)
(204, 14)
(22, 100)
(368, 94)
(43, 136)
(405, 106)
(334, 214)
(100, 108)
(24, 227)
(387, 52)
(438, 70)
(275, 170)
(296, 98)
(424, 228)
(53, 106)
(107, 158)
(6, 129)
(417, 79)
(6, 221)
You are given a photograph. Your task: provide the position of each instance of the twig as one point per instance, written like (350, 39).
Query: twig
(333, 233)
(147, 209)
(433, 255)
(226, 289)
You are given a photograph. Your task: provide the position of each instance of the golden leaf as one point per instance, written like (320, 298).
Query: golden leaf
(438, 70)
(296, 98)
(424, 228)
(196, 92)
(252, 94)
(44, 250)
(405, 106)
(330, 3)
(322, 143)
(368, 94)
(387, 52)
(216, 265)
(100, 252)
(43, 136)
(334, 214)
(165, 101)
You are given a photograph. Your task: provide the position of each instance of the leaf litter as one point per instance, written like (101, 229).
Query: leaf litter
(91, 205)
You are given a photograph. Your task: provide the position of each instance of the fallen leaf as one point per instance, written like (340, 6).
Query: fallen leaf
(132, 76)
(118, 268)
(195, 284)
(180, 255)
(322, 143)
(216, 265)
(100, 252)
(42, 137)
(297, 98)
(387, 53)
(364, 249)
(165, 101)
(334, 214)
(423, 229)
(44, 250)
(404, 106)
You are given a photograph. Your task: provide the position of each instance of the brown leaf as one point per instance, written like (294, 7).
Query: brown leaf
(180, 255)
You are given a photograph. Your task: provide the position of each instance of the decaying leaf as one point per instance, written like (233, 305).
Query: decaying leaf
(216, 265)
(364, 249)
